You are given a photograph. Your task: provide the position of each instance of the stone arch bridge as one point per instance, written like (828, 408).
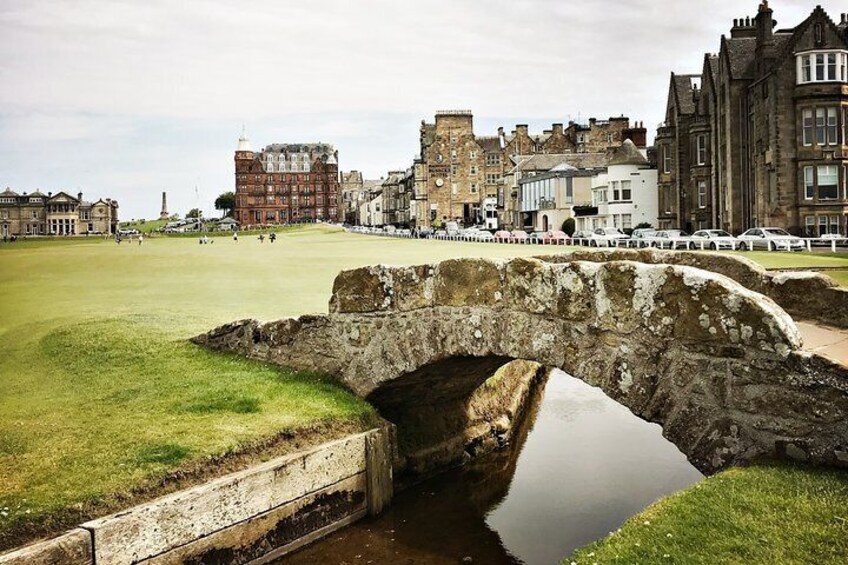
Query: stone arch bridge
(720, 367)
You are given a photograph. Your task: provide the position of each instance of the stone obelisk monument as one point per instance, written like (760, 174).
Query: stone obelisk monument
(163, 215)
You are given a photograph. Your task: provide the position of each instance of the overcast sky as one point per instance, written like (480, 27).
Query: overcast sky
(126, 99)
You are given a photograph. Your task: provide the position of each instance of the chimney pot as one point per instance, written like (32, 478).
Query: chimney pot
(735, 22)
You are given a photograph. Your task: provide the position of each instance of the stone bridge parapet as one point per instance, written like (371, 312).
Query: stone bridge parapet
(717, 365)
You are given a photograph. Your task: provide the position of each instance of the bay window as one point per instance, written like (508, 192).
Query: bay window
(807, 126)
(822, 66)
(821, 126)
(701, 149)
(809, 184)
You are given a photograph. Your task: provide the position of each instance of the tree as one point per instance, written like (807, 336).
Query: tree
(644, 225)
(193, 213)
(569, 227)
(226, 202)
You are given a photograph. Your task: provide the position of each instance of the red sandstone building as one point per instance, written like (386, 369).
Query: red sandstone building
(286, 182)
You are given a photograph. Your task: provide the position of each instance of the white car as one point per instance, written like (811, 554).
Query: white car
(771, 239)
(606, 236)
(669, 239)
(713, 239)
(484, 236)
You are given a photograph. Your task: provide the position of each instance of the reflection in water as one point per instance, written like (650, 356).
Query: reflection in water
(581, 465)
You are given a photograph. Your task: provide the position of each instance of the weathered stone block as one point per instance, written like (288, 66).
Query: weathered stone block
(274, 533)
(151, 529)
(72, 548)
(468, 282)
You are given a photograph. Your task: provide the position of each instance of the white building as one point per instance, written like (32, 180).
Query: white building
(371, 209)
(548, 199)
(626, 195)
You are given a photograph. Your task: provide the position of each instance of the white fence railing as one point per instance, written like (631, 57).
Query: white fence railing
(674, 243)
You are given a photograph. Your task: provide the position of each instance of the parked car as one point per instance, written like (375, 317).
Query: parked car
(714, 239)
(639, 237)
(670, 239)
(606, 236)
(389, 229)
(519, 236)
(484, 235)
(554, 237)
(126, 232)
(503, 235)
(771, 239)
(582, 237)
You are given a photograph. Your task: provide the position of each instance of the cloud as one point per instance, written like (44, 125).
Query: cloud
(113, 82)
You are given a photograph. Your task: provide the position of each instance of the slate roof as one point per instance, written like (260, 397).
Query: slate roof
(740, 52)
(683, 93)
(489, 144)
(627, 154)
(546, 162)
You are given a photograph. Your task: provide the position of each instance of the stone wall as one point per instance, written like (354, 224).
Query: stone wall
(807, 296)
(719, 366)
(261, 512)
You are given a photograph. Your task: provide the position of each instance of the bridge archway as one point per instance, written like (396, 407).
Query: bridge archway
(718, 366)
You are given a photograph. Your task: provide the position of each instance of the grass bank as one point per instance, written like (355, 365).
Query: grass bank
(103, 402)
(775, 514)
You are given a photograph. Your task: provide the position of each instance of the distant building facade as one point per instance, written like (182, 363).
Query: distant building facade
(760, 137)
(457, 171)
(287, 182)
(55, 214)
(624, 195)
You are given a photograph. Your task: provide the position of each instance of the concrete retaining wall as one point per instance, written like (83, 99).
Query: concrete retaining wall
(251, 516)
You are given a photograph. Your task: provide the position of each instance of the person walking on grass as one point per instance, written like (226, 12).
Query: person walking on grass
(235, 236)
(261, 238)
(140, 239)
(273, 237)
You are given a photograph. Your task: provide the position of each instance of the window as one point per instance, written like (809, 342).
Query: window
(701, 148)
(453, 170)
(820, 122)
(493, 159)
(667, 158)
(4, 214)
(809, 185)
(828, 182)
(473, 154)
(473, 169)
(702, 194)
(832, 126)
(821, 66)
(258, 215)
(625, 190)
(616, 192)
(626, 221)
(807, 127)
(474, 188)
(492, 178)
(34, 215)
(810, 226)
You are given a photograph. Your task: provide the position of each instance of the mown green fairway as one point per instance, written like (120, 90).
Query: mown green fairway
(101, 396)
(769, 514)
(100, 393)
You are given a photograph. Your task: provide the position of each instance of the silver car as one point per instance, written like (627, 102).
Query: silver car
(771, 239)
(669, 239)
(713, 239)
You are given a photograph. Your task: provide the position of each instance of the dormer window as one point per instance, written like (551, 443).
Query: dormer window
(822, 66)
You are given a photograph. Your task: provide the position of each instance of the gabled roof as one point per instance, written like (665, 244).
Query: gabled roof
(740, 56)
(785, 46)
(683, 92)
(489, 144)
(547, 161)
(627, 154)
(8, 192)
(57, 195)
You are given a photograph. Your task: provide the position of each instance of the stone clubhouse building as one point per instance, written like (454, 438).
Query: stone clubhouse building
(55, 214)
(760, 136)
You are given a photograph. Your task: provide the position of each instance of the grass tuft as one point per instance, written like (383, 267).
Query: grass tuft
(161, 454)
